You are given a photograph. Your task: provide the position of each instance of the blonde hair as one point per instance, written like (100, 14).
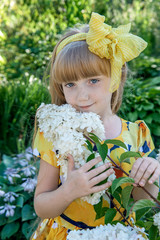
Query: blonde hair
(74, 62)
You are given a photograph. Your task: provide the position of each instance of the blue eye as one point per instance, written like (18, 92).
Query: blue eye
(94, 81)
(69, 85)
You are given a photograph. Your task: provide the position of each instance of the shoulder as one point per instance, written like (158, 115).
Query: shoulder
(137, 126)
(140, 132)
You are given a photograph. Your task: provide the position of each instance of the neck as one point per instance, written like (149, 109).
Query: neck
(113, 126)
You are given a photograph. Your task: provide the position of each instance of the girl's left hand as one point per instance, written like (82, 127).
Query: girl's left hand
(145, 170)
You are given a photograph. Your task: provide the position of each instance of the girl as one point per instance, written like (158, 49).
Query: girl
(88, 71)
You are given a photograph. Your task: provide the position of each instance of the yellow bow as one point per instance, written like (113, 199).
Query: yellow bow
(116, 44)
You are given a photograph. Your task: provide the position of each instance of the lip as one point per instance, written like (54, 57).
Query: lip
(86, 106)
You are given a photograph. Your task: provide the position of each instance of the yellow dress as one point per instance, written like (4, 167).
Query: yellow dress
(80, 214)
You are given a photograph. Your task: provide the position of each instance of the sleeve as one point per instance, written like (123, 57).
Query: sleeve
(44, 149)
(144, 139)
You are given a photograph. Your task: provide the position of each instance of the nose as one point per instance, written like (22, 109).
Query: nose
(83, 94)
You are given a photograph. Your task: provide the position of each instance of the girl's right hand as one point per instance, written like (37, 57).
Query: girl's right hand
(82, 182)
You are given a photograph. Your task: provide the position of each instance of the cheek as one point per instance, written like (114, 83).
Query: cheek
(68, 96)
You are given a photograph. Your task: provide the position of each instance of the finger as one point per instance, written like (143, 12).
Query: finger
(155, 176)
(149, 171)
(135, 167)
(94, 181)
(101, 187)
(98, 170)
(87, 166)
(144, 167)
(71, 165)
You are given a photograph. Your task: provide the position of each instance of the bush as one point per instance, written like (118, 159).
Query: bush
(19, 102)
(141, 101)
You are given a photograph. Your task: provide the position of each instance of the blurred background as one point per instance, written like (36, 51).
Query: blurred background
(29, 30)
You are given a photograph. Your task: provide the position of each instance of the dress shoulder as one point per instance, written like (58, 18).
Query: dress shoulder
(44, 149)
(144, 139)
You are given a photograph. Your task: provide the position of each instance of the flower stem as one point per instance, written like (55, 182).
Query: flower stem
(117, 208)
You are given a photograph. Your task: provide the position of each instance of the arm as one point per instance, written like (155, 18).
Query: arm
(50, 201)
(145, 172)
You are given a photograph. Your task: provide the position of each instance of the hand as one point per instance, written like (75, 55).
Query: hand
(145, 170)
(82, 182)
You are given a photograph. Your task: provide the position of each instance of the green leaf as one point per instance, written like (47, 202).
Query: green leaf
(158, 197)
(117, 196)
(90, 157)
(115, 142)
(20, 201)
(148, 225)
(103, 150)
(127, 160)
(98, 208)
(109, 215)
(28, 213)
(141, 212)
(95, 138)
(9, 230)
(132, 116)
(7, 160)
(89, 146)
(2, 169)
(143, 203)
(128, 155)
(126, 192)
(153, 232)
(130, 205)
(27, 229)
(119, 181)
(15, 188)
(3, 180)
(16, 216)
(3, 219)
(140, 223)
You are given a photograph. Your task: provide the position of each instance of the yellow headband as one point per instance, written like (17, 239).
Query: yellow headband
(116, 44)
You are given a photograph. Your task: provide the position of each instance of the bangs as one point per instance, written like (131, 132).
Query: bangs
(75, 62)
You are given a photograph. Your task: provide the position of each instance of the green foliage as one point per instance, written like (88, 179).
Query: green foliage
(17, 184)
(141, 101)
(19, 102)
(109, 215)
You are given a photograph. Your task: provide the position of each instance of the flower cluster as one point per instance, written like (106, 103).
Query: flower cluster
(156, 219)
(108, 232)
(65, 128)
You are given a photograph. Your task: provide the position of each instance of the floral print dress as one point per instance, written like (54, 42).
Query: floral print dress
(80, 214)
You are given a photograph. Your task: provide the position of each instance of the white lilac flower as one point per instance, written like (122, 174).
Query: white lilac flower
(29, 184)
(10, 197)
(11, 173)
(67, 135)
(108, 232)
(156, 219)
(29, 170)
(7, 209)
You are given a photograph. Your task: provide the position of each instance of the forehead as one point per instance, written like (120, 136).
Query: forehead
(76, 62)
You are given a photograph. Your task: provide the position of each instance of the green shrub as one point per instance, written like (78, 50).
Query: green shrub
(141, 101)
(19, 102)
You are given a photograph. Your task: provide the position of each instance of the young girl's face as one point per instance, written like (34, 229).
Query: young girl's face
(89, 95)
